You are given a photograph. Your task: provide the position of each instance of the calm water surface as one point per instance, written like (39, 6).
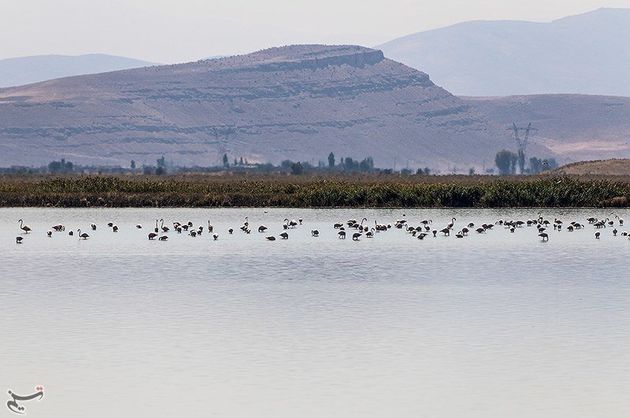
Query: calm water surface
(494, 325)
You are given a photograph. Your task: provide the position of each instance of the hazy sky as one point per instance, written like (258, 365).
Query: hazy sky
(183, 30)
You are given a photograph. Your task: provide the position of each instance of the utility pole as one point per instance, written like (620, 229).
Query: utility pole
(521, 142)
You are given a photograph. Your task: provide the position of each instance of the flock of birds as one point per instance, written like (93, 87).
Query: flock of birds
(358, 230)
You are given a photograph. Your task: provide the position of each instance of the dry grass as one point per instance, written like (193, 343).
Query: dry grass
(607, 168)
(307, 191)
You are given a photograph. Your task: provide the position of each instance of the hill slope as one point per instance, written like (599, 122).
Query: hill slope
(26, 70)
(585, 54)
(597, 168)
(574, 127)
(297, 102)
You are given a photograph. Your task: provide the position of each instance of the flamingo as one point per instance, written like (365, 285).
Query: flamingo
(284, 235)
(18, 240)
(544, 236)
(165, 229)
(356, 236)
(23, 227)
(289, 223)
(152, 236)
(315, 233)
(163, 238)
(82, 236)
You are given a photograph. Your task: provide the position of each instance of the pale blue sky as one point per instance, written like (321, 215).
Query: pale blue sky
(184, 30)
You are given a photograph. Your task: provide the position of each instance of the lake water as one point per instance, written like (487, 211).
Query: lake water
(492, 325)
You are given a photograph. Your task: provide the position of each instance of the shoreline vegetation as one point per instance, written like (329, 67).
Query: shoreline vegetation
(334, 191)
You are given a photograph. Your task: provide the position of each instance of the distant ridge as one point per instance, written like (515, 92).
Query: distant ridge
(27, 70)
(583, 54)
(298, 102)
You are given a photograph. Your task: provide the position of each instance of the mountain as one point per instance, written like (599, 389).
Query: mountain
(297, 102)
(26, 70)
(584, 54)
(573, 127)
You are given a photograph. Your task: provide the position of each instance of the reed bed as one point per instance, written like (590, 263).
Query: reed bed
(306, 192)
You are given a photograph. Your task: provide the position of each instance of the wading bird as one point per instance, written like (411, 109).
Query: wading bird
(25, 228)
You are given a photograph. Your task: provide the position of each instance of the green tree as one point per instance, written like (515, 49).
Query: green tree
(503, 161)
(62, 166)
(535, 165)
(350, 165)
(547, 164)
(226, 162)
(331, 160)
(367, 164)
(297, 169)
(133, 164)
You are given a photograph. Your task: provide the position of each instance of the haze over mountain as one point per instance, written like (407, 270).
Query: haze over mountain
(574, 127)
(298, 102)
(585, 54)
(26, 70)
